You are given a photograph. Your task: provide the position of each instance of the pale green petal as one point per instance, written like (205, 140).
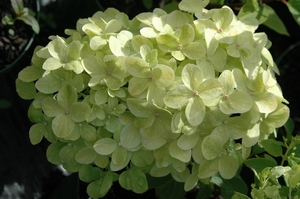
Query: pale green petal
(137, 67)
(51, 107)
(112, 26)
(178, 55)
(167, 42)
(36, 133)
(194, 50)
(187, 33)
(279, 117)
(137, 85)
(228, 166)
(219, 58)
(142, 158)
(52, 64)
(233, 51)
(252, 136)
(85, 155)
(139, 107)
(191, 182)
(138, 41)
(57, 48)
(73, 50)
(212, 146)
(134, 180)
(154, 144)
(67, 96)
(265, 101)
(48, 84)
(26, 90)
(62, 125)
(195, 111)
(115, 167)
(186, 142)
(192, 6)
(227, 80)
(148, 32)
(80, 111)
(210, 89)
(67, 155)
(155, 131)
(177, 19)
(192, 77)
(240, 101)
(223, 17)
(105, 146)
(97, 42)
(130, 136)
(163, 75)
(178, 153)
(208, 168)
(119, 156)
(30, 73)
(178, 97)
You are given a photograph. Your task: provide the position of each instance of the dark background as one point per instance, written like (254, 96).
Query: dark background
(24, 170)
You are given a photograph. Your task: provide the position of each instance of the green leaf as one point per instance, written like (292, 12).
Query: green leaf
(62, 125)
(85, 155)
(204, 191)
(30, 20)
(258, 164)
(274, 22)
(18, 6)
(238, 195)
(169, 188)
(26, 90)
(294, 7)
(36, 133)
(134, 180)
(105, 146)
(236, 185)
(273, 147)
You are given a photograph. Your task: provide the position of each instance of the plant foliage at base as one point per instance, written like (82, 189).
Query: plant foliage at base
(186, 94)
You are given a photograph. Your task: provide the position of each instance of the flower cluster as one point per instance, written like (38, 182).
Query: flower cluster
(186, 93)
